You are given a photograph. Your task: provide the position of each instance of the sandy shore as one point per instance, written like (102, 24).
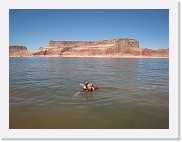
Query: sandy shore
(95, 56)
(115, 56)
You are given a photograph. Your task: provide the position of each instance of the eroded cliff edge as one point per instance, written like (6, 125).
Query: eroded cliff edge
(120, 47)
(90, 48)
(19, 51)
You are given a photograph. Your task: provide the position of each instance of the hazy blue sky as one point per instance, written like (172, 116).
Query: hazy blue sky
(35, 28)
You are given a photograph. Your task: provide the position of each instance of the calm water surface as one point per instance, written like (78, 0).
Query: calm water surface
(134, 93)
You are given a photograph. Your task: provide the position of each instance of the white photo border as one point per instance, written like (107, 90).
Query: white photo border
(171, 133)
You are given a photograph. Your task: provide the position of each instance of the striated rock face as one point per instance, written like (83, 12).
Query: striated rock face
(18, 51)
(160, 52)
(101, 47)
(121, 47)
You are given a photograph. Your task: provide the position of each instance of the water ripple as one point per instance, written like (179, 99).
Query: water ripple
(134, 93)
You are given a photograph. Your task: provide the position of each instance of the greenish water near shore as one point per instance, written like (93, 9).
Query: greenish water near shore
(134, 93)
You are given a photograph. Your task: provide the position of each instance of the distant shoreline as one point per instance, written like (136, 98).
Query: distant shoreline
(114, 48)
(95, 56)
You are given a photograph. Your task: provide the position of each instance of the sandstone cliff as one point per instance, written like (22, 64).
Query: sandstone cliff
(120, 47)
(156, 53)
(90, 48)
(18, 51)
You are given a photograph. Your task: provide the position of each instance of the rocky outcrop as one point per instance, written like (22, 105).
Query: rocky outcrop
(120, 47)
(101, 47)
(18, 51)
(156, 53)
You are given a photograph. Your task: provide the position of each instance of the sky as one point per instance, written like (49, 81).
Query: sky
(34, 28)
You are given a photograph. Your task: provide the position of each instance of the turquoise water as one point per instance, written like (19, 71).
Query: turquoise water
(134, 93)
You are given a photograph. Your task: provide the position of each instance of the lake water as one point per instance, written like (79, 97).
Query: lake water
(134, 93)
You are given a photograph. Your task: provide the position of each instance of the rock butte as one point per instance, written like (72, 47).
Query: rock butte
(121, 47)
(18, 51)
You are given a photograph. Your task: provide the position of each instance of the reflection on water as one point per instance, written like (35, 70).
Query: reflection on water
(134, 93)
